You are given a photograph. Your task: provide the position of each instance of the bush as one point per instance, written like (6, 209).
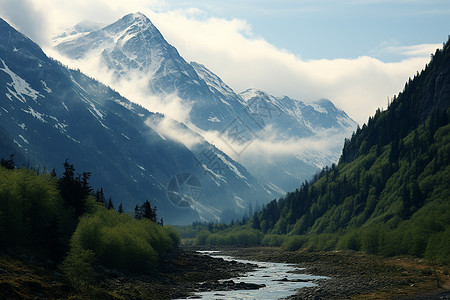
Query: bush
(202, 237)
(273, 240)
(372, 239)
(293, 243)
(122, 242)
(438, 247)
(350, 241)
(77, 267)
(323, 242)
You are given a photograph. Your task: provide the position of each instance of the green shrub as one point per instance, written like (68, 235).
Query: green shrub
(77, 267)
(323, 242)
(122, 242)
(202, 237)
(438, 247)
(273, 240)
(350, 241)
(293, 243)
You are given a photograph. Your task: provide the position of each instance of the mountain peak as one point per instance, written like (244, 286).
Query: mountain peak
(251, 93)
(137, 18)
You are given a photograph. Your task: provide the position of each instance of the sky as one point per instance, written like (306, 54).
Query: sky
(357, 53)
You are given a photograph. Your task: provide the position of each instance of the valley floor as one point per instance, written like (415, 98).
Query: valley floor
(353, 275)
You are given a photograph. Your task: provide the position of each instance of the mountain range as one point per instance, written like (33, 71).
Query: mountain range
(50, 113)
(132, 52)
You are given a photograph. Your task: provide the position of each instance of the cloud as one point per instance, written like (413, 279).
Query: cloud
(168, 128)
(423, 50)
(25, 16)
(231, 50)
(240, 57)
(42, 19)
(134, 86)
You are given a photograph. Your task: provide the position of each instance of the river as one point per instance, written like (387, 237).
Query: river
(280, 280)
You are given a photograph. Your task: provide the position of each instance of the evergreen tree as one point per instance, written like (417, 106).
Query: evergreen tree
(73, 191)
(120, 209)
(8, 163)
(137, 212)
(110, 204)
(148, 212)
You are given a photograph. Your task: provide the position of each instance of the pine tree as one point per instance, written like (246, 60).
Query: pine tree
(72, 190)
(8, 163)
(110, 204)
(120, 209)
(148, 212)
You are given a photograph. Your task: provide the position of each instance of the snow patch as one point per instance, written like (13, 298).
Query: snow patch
(22, 126)
(214, 119)
(231, 166)
(21, 87)
(24, 139)
(64, 106)
(96, 110)
(46, 88)
(16, 142)
(239, 202)
(128, 106)
(140, 167)
(35, 114)
(319, 108)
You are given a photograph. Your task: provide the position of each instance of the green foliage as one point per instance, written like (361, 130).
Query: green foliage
(241, 236)
(77, 268)
(389, 194)
(273, 240)
(438, 247)
(293, 243)
(122, 242)
(350, 241)
(32, 214)
(202, 237)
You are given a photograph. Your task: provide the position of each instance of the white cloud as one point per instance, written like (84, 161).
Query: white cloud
(175, 131)
(230, 49)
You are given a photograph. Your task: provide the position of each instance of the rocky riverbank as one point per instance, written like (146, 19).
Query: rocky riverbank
(352, 275)
(28, 277)
(357, 275)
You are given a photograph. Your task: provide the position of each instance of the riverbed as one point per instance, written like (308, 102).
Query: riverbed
(276, 280)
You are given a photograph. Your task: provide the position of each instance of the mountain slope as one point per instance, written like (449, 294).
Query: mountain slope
(133, 45)
(49, 114)
(390, 192)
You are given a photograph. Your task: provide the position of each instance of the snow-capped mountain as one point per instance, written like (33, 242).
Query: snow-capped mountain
(132, 47)
(133, 44)
(49, 113)
(294, 118)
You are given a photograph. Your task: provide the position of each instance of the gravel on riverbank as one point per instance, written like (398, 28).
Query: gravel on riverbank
(355, 275)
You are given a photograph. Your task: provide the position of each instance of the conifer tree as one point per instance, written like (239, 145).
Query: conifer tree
(110, 204)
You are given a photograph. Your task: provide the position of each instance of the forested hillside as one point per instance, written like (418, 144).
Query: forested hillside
(390, 192)
(61, 219)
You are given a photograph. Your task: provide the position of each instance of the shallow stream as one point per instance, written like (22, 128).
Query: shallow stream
(280, 279)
